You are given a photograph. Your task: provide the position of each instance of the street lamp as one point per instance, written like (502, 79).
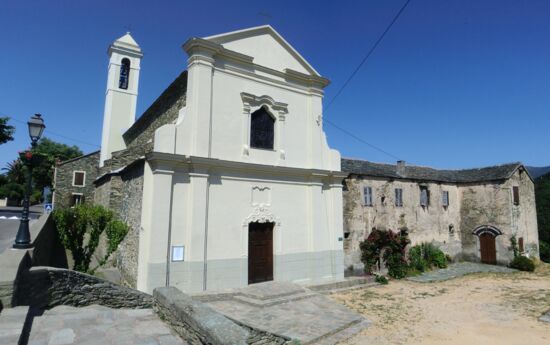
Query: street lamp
(23, 238)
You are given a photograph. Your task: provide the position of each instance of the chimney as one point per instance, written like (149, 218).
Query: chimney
(401, 167)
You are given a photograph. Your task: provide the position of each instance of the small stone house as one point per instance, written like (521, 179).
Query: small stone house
(469, 214)
(74, 180)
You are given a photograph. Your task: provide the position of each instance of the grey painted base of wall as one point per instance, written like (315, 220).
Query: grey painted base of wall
(233, 273)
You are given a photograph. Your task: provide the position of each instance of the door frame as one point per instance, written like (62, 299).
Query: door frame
(489, 230)
(272, 226)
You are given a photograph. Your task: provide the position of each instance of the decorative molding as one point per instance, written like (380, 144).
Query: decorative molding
(261, 214)
(482, 229)
(278, 110)
(319, 120)
(250, 100)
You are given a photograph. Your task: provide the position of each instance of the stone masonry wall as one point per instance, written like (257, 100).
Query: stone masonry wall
(63, 184)
(130, 212)
(197, 323)
(164, 110)
(492, 204)
(48, 287)
(434, 223)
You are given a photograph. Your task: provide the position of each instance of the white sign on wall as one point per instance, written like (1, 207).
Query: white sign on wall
(178, 253)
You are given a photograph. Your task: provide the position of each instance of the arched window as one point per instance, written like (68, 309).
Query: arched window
(262, 129)
(124, 74)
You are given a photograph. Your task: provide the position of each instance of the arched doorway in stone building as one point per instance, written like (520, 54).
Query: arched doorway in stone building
(487, 243)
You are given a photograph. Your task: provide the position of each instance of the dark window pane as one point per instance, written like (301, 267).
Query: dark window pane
(124, 74)
(262, 130)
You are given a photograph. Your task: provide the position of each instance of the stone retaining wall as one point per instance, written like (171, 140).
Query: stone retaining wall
(197, 323)
(130, 212)
(48, 287)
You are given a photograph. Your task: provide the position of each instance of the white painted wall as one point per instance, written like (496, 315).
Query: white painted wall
(120, 104)
(219, 184)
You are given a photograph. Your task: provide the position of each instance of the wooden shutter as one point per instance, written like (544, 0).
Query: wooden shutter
(445, 196)
(515, 190)
(398, 197)
(423, 196)
(520, 245)
(368, 196)
(78, 178)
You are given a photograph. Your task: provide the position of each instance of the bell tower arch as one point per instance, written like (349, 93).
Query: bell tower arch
(121, 95)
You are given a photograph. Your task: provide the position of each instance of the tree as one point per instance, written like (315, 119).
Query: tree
(542, 196)
(43, 174)
(6, 131)
(16, 172)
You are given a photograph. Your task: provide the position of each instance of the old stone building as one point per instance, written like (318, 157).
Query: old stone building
(227, 179)
(470, 214)
(74, 180)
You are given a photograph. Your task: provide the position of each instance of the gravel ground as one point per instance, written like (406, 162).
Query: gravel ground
(480, 308)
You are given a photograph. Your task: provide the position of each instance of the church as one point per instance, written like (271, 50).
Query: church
(227, 178)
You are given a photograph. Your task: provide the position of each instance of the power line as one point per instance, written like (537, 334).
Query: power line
(360, 139)
(368, 54)
(53, 133)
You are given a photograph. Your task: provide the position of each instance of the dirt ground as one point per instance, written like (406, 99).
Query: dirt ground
(483, 308)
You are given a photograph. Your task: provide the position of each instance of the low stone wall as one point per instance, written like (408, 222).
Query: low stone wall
(197, 323)
(47, 250)
(48, 287)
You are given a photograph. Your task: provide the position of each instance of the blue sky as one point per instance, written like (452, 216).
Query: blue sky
(457, 83)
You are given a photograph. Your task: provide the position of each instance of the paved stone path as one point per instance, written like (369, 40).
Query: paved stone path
(289, 310)
(93, 325)
(458, 270)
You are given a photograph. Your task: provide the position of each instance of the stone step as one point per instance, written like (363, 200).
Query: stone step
(342, 334)
(341, 284)
(12, 321)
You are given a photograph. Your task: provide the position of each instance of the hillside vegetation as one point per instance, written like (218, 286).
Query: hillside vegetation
(542, 196)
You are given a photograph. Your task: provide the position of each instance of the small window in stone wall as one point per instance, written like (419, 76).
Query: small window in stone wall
(77, 199)
(79, 178)
(445, 198)
(424, 196)
(515, 195)
(520, 245)
(367, 196)
(399, 197)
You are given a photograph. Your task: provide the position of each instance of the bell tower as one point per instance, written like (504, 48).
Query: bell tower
(121, 95)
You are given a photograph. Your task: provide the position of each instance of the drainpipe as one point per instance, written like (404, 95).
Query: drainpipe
(169, 242)
(205, 268)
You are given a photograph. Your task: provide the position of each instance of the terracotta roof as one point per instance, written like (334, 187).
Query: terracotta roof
(411, 172)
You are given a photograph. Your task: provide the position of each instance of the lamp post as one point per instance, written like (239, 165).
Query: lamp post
(23, 238)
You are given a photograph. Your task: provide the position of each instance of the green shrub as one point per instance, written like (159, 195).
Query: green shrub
(381, 280)
(544, 250)
(80, 228)
(523, 263)
(392, 245)
(416, 259)
(424, 256)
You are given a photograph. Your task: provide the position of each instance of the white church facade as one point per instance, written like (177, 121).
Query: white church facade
(227, 179)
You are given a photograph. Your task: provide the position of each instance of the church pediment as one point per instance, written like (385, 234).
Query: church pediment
(266, 47)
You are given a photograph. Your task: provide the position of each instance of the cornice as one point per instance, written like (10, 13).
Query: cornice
(125, 51)
(199, 46)
(209, 164)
